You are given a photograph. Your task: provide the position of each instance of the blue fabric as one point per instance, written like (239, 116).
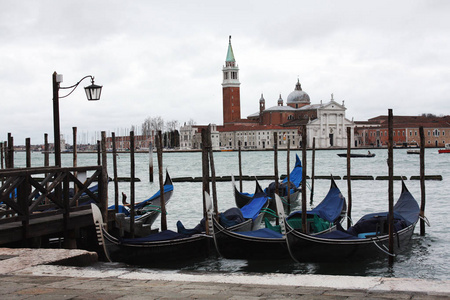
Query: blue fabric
(165, 235)
(231, 217)
(330, 208)
(262, 233)
(407, 206)
(296, 175)
(197, 229)
(252, 209)
(295, 179)
(167, 188)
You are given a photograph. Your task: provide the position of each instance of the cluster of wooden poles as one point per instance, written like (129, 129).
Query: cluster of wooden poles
(208, 172)
(208, 154)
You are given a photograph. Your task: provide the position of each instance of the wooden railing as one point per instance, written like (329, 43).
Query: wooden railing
(31, 193)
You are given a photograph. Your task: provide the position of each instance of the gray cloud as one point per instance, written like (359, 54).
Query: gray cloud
(164, 58)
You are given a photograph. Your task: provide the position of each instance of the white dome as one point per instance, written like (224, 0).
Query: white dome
(298, 96)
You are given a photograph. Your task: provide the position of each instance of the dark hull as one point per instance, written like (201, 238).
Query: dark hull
(307, 248)
(356, 155)
(241, 199)
(149, 213)
(237, 246)
(197, 246)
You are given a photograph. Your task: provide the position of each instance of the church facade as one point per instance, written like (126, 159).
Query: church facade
(326, 122)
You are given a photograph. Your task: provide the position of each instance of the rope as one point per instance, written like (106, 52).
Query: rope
(269, 211)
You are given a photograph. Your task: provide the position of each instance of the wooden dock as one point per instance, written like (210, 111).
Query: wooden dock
(57, 206)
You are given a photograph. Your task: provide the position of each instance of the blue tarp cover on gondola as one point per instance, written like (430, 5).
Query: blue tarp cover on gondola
(295, 179)
(167, 188)
(252, 209)
(296, 174)
(330, 208)
(231, 217)
(407, 206)
(160, 236)
(262, 233)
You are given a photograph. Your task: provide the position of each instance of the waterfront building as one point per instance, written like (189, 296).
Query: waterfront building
(374, 132)
(326, 122)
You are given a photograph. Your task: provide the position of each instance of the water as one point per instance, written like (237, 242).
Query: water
(427, 257)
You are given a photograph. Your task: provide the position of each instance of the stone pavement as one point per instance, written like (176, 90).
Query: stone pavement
(38, 274)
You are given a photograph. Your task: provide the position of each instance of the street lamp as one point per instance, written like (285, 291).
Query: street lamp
(93, 93)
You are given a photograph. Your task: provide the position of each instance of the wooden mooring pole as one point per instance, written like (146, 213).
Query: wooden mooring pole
(150, 161)
(288, 175)
(205, 173)
(46, 161)
(75, 153)
(304, 220)
(46, 151)
(275, 159)
(240, 167)
(391, 186)
(349, 180)
(10, 151)
(1, 159)
(422, 180)
(116, 181)
(75, 158)
(132, 178)
(98, 153)
(28, 151)
(161, 183)
(104, 180)
(313, 163)
(213, 170)
(2, 156)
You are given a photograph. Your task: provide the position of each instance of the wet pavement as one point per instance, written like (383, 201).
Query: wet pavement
(75, 274)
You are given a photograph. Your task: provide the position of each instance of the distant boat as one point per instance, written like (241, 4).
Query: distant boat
(413, 152)
(446, 150)
(357, 155)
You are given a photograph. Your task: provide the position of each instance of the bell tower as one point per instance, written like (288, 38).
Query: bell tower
(230, 87)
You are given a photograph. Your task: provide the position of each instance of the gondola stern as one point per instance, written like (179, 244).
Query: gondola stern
(99, 227)
(211, 220)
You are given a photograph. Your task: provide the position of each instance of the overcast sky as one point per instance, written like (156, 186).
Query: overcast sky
(165, 58)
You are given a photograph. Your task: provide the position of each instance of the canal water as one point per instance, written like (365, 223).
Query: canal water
(427, 258)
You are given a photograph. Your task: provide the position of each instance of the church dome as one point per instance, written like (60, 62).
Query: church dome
(298, 96)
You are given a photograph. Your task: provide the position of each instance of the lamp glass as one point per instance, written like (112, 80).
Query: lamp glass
(93, 92)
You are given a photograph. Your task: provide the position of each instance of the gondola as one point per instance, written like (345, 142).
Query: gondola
(146, 211)
(268, 243)
(367, 239)
(164, 246)
(357, 155)
(295, 178)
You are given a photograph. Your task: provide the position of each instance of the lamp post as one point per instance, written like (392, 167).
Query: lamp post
(93, 93)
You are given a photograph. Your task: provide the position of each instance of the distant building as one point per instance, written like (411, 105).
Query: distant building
(326, 122)
(374, 132)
